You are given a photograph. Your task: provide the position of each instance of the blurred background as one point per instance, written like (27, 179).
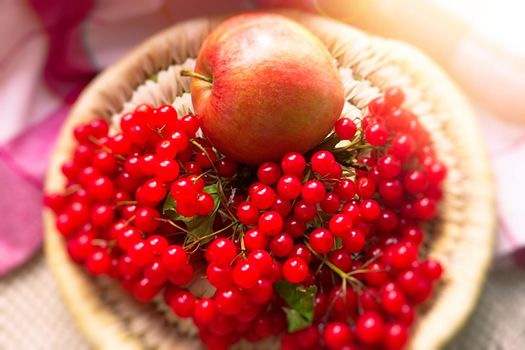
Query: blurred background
(50, 50)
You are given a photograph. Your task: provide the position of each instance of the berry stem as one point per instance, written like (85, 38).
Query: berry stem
(72, 189)
(199, 146)
(307, 175)
(214, 233)
(100, 242)
(243, 246)
(126, 203)
(227, 215)
(358, 147)
(130, 220)
(358, 166)
(224, 202)
(93, 140)
(172, 223)
(344, 276)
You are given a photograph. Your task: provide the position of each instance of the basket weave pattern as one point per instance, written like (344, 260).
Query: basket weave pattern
(461, 239)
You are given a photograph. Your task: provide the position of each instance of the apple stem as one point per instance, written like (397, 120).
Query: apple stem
(193, 74)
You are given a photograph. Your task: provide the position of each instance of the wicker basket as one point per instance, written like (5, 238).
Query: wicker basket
(462, 237)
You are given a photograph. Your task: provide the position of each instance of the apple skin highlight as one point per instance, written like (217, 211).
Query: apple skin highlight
(272, 88)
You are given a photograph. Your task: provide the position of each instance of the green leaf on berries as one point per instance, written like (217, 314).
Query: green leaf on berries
(300, 300)
(199, 226)
(170, 210)
(328, 143)
(338, 243)
(296, 321)
(169, 205)
(213, 191)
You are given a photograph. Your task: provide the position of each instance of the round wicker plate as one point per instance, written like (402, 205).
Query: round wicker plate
(462, 236)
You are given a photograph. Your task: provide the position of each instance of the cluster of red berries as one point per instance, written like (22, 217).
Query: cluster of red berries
(345, 220)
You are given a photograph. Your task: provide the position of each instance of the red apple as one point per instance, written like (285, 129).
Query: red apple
(265, 86)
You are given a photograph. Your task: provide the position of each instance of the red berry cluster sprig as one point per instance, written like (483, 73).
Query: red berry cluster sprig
(111, 210)
(156, 206)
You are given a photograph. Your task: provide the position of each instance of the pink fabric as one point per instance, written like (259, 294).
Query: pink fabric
(50, 50)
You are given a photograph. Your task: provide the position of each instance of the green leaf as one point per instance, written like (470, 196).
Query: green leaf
(170, 210)
(300, 300)
(199, 226)
(214, 193)
(212, 190)
(338, 243)
(296, 321)
(169, 205)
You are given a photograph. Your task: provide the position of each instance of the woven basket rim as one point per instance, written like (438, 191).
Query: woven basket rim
(106, 95)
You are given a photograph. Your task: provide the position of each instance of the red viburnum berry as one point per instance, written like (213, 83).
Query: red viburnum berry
(295, 270)
(345, 128)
